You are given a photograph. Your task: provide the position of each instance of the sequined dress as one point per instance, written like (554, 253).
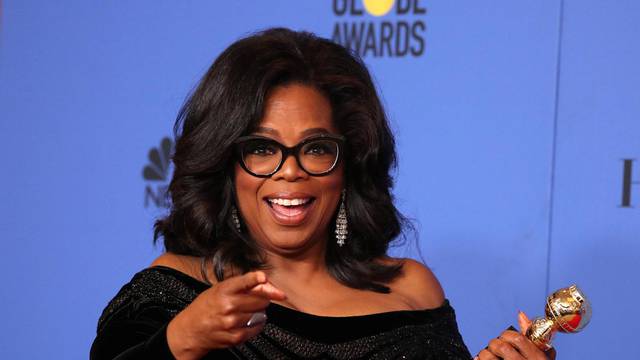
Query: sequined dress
(133, 326)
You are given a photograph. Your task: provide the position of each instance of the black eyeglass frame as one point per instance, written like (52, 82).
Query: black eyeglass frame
(287, 151)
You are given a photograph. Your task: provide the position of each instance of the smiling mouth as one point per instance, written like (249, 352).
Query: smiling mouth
(290, 211)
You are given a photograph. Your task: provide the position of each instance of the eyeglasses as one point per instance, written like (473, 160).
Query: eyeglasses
(262, 156)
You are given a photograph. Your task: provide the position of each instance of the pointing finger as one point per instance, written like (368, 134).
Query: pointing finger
(246, 282)
(269, 290)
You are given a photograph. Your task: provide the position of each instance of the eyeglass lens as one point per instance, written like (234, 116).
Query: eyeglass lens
(263, 157)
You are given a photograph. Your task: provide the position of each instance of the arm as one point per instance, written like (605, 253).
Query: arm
(142, 337)
(142, 325)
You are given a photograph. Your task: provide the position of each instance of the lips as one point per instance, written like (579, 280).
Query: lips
(290, 209)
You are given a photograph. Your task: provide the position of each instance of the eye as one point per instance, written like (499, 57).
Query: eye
(321, 147)
(260, 148)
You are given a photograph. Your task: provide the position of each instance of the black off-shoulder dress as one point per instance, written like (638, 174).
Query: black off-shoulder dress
(134, 323)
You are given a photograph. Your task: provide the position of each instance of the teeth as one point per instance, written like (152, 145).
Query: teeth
(289, 202)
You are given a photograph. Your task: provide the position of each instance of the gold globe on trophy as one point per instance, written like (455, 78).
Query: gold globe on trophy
(567, 310)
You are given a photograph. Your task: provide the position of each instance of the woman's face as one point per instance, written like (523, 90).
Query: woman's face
(292, 113)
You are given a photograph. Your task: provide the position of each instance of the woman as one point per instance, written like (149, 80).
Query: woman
(280, 221)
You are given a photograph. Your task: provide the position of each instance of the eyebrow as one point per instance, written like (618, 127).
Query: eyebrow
(307, 132)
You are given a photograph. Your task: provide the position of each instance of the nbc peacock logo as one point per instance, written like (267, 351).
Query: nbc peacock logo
(380, 28)
(156, 174)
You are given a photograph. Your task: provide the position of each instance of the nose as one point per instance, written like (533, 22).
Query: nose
(290, 170)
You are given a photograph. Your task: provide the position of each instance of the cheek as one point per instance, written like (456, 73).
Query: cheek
(334, 183)
(332, 186)
(246, 190)
(336, 178)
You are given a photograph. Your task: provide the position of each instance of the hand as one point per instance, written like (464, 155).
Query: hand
(217, 318)
(511, 345)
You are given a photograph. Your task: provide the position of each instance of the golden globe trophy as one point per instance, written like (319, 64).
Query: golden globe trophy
(567, 310)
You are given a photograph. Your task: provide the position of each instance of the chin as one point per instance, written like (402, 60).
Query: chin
(289, 242)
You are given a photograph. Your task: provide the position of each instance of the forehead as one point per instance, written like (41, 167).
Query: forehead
(295, 110)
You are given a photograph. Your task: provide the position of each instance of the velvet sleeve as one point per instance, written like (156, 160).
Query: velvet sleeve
(140, 334)
(134, 323)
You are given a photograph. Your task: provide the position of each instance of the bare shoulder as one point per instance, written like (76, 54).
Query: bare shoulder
(189, 265)
(417, 285)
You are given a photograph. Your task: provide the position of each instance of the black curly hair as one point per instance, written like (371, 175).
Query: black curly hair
(229, 102)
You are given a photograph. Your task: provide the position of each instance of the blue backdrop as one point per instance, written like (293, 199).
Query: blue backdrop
(517, 125)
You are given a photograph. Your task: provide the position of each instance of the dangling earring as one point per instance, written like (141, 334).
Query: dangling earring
(235, 218)
(341, 223)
